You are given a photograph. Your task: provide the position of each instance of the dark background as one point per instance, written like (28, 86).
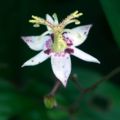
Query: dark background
(22, 89)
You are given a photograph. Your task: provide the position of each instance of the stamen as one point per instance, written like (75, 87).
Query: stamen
(59, 43)
(71, 19)
(77, 22)
(38, 20)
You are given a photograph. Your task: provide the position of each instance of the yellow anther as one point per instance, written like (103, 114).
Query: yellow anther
(76, 14)
(36, 25)
(77, 22)
(38, 20)
(71, 19)
(35, 17)
(31, 21)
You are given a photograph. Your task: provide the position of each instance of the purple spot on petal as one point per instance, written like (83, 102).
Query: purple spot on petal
(64, 33)
(48, 51)
(68, 40)
(52, 37)
(63, 54)
(60, 54)
(27, 39)
(48, 43)
(69, 50)
(85, 33)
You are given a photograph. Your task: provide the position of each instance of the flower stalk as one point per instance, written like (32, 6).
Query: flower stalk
(55, 88)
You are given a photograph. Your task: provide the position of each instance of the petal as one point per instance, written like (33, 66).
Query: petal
(83, 32)
(49, 19)
(39, 58)
(78, 34)
(84, 56)
(55, 18)
(36, 42)
(61, 66)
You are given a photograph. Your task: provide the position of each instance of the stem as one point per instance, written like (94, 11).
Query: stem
(55, 88)
(107, 77)
(74, 78)
(89, 89)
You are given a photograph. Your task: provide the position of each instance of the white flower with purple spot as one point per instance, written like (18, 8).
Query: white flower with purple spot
(58, 44)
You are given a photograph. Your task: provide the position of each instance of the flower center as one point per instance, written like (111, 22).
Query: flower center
(59, 44)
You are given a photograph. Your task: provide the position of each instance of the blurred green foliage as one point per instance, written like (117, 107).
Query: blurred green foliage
(22, 89)
(102, 103)
(112, 10)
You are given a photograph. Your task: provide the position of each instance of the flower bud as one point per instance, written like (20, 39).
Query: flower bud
(50, 101)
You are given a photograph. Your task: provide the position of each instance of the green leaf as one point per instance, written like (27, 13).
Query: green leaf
(57, 115)
(112, 12)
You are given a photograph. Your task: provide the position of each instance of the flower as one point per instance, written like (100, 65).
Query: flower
(58, 44)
